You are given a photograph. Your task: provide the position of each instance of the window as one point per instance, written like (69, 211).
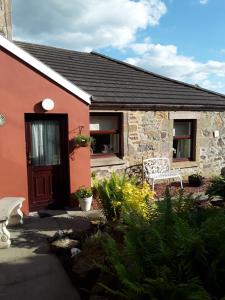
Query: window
(183, 140)
(105, 130)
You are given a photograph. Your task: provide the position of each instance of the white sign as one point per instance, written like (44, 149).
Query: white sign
(94, 126)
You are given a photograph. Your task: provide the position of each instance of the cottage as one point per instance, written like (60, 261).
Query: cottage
(45, 94)
(135, 113)
(40, 114)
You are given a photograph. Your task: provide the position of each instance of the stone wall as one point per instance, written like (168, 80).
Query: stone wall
(5, 19)
(150, 134)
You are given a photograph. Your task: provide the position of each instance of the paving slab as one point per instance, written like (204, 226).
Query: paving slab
(28, 269)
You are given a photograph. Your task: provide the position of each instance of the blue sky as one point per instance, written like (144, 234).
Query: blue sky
(181, 39)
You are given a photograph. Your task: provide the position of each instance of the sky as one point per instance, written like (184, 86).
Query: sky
(180, 39)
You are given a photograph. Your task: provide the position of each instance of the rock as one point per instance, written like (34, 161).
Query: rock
(58, 235)
(217, 201)
(82, 235)
(75, 251)
(64, 244)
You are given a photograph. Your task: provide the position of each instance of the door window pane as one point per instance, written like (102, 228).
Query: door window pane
(45, 143)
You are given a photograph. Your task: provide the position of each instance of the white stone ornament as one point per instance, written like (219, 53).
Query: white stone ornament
(2, 119)
(48, 104)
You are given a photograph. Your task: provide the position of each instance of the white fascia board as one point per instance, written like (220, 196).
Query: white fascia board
(41, 67)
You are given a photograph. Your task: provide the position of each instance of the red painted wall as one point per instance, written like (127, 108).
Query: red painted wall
(21, 91)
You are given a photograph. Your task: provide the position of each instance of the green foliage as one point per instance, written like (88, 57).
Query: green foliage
(82, 140)
(179, 253)
(120, 195)
(82, 192)
(109, 192)
(217, 187)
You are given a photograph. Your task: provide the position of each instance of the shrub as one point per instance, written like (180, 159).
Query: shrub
(120, 195)
(169, 256)
(82, 140)
(109, 192)
(217, 187)
(138, 199)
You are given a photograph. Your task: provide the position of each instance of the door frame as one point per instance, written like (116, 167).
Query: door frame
(64, 146)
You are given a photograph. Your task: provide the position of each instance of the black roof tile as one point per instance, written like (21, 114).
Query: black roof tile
(114, 84)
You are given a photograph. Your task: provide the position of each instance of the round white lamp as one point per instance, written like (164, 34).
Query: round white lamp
(2, 119)
(48, 104)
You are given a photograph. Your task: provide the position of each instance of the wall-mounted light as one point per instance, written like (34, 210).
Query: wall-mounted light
(48, 104)
(2, 119)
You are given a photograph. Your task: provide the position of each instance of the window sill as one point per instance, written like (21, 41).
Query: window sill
(106, 161)
(184, 164)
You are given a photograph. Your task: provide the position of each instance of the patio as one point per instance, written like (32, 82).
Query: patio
(28, 269)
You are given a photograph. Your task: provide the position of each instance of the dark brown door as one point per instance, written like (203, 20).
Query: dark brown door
(47, 160)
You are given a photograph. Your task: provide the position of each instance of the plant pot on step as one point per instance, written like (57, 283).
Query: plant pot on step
(85, 203)
(84, 195)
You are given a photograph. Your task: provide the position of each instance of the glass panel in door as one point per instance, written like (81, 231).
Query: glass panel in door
(45, 143)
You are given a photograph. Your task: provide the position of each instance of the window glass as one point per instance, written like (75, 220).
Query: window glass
(182, 148)
(105, 143)
(105, 133)
(183, 139)
(45, 147)
(182, 128)
(103, 123)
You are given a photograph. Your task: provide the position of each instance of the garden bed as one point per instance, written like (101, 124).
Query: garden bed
(175, 187)
(149, 249)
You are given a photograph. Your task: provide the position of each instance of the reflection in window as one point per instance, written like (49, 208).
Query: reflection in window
(183, 140)
(106, 134)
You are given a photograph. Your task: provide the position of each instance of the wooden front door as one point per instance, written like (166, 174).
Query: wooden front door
(47, 160)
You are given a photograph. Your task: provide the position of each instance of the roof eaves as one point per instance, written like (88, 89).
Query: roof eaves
(155, 107)
(47, 71)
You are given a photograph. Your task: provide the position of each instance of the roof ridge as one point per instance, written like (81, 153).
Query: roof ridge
(157, 75)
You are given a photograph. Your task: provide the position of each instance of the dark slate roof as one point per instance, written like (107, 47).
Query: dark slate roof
(114, 84)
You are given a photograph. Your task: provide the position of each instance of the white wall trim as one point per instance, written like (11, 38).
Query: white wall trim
(38, 65)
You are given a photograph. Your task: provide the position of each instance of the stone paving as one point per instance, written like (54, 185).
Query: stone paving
(28, 269)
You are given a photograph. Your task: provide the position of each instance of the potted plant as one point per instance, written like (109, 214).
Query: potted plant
(82, 140)
(195, 180)
(84, 195)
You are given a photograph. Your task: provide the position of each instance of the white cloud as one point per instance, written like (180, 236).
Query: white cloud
(82, 24)
(165, 60)
(203, 1)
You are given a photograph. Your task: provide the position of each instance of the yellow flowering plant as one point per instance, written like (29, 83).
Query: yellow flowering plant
(139, 199)
(121, 195)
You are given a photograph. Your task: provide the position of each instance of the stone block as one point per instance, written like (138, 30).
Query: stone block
(161, 114)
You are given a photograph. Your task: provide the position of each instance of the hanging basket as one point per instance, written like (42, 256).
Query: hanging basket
(82, 140)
